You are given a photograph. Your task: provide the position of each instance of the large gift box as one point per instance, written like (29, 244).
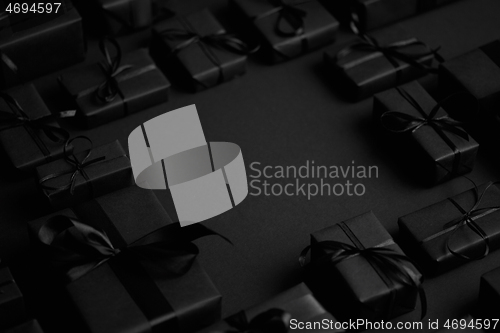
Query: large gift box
(206, 54)
(29, 132)
(379, 61)
(476, 72)
(292, 309)
(38, 44)
(88, 174)
(128, 266)
(12, 311)
(117, 87)
(31, 326)
(440, 149)
(451, 232)
(489, 296)
(357, 271)
(288, 28)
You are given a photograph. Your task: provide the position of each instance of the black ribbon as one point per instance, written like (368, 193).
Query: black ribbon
(19, 118)
(78, 168)
(468, 220)
(271, 321)
(399, 122)
(392, 267)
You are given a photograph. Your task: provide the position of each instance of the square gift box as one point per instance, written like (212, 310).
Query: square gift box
(40, 43)
(441, 149)
(489, 294)
(12, 311)
(357, 271)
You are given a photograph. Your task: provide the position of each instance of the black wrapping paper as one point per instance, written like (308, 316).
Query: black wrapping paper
(429, 231)
(31, 326)
(353, 288)
(12, 311)
(489, 295)
(54, 40)
(362, 72)
(111, 171)
(203, 64)
(127, 15)
(439, 153)
(28, 146)
(275, 30)
(142, 86)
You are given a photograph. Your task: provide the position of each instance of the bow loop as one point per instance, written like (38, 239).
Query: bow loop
(294, 17)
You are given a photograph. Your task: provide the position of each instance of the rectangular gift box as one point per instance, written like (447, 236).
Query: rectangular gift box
(31, 326)
(489, 294)
(298, 302)
(122, 16)
(355, 287)
(438, 152)
(281, 40)
(108, 297)
(362, 71)
(140, 86)
(203, 63)
(27, 146)
(12, 311)
(477, 73)
(39, 44)
(430, 231)
(111, 171)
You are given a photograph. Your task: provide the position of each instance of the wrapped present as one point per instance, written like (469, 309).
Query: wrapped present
(127, 15)
(83, 176)
(29, 133)
(116, 87)
(38, 44)
(207, 54)
(476, 72)
(293, 309)
(135, 272)
(31, 326)
(489, 294)
(374, 63)
(12, 311)
(451, 232)
(440, 148)
(288, 29)
(357, 261)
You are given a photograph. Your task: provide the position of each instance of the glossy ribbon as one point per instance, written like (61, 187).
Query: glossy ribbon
(399, 122)
(78, 168)
(392, 267)
(271, 321)
(468, 219)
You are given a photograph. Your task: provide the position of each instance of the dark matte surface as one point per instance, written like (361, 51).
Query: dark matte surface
(284, 115)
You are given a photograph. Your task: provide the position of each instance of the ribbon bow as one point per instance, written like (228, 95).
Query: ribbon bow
(78, 168)
(271, 321)
(293, 16)
(107, 91)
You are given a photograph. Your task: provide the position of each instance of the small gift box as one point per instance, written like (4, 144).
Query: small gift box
(478, 73)
(288, 29)
(357, 262)
(130, 268)
(295, 309)
(29, 133)
(31, 326)
(440, 147)
(378, 62)
(206, 53)
(39, 43)
(12, 310)
(124, 16)
(447, 234)
(489, 294)
(83, 176)
(117, 87)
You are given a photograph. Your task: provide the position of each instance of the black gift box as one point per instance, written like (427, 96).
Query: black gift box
(140, 85)
(204, 63)
(362, 70)
(31, 326)
(432, 231)
(439, 153)
(275, 22)
(39, 44)
(489, 296)
(297, 301)
(12, 310)
(355, 287)
(108, 170)
(27, 145)
(476, 72)
(126, 15)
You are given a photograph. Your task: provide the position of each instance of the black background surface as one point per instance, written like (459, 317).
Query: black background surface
(287, 114)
